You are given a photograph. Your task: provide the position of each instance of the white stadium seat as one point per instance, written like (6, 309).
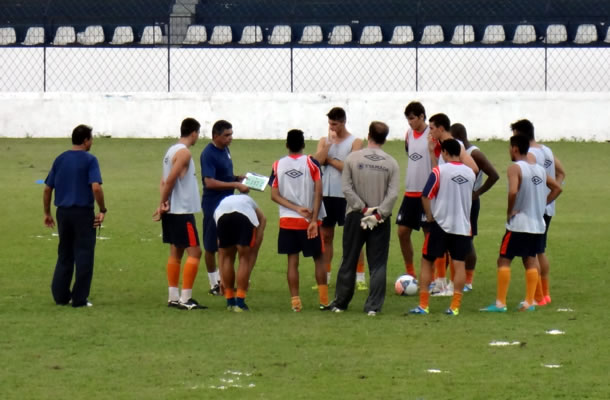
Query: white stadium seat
(7, 36)
(64, 35)
(281, 34)
(463, 34)
(93, 34)
(556, 34)
(122, 35)
(195, 34)
(432, 34)
(221, 34)
(340, 34)
(493, 34)
(524, 34)
(311, 34)
(402, 34)
(152, 35)
(371, 35)
(251, 34)
(586, 33)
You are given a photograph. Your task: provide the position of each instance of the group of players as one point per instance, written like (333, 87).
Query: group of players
(346, 184)
(341, 184)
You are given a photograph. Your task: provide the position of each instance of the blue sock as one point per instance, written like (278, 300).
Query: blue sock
(240, 302)
(231, 302)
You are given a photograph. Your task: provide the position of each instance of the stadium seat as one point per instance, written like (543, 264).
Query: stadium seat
(311, 34)
(402, 34)
(432, 34)
(7, 36)
(221, 34)
(93, 34)
(586, 33)
(251, 34)
(195, 34)
(152, 35)
(64, 35)
(122, 35)
(556, 34)
(371, 35)
(493, 34)
(281, 34)
(34, 36)
(463, 34)
(524, 34)
(340, 34)
(607, 40)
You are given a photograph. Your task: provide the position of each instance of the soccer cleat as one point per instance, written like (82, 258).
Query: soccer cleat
(336, 309)
(419, 310)
(325, 308)
(494, 308)
(173, 303)
(440, 286)
(191, 304)
(241, 308)
(467, 288)
(540, 303)
(452, 311)
(230, 308)
(548, 299)
(372, 313)
(215, 291)
(296, 309)
(361, 285)
(523, 306)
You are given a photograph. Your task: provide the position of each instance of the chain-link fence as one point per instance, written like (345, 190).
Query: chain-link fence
(304, 46)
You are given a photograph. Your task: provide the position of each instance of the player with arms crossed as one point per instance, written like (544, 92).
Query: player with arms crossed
(527, 199)
(296, 185)
(447, 198)
(179, 202)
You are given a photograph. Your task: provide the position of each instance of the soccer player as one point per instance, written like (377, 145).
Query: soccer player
(458, 131)
(296, 185)
(419, 165)
(527, 199)
(447, 198)
(440, 127)
(240, 225)
(218, 183)
(543, 156)
(331, 153)
(370, 185)
(76, 178)
(179, 202)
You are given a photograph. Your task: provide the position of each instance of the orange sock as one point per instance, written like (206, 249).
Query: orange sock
(190, 272)
(241, 293)
(503, 282)
(173, 272)
(531, 280)
(538, 294)
(545, 286)
(424, 298)
(456, 301)
(411, 270)
(323, 294)
(296, 303)
(229, 294)
(360, 268)
(328, 267)
(469, 276)
(439, 267)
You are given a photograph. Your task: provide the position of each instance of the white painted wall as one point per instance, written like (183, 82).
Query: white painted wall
(486, 115)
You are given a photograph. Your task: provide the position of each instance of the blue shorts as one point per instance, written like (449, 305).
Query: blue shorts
(411, 213)
(520, 244)
(180, 230)
(335, 211)
(294, 241)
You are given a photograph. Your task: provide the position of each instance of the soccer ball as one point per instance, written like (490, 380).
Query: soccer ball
(405, 285)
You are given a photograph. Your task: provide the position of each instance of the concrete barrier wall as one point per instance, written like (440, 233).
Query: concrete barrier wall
(486, 115)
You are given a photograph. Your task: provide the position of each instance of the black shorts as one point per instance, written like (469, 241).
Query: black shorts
(335, 211)
(474, 216)
(547, 222)
(292, 241)
(235, 229)
(437, 242)
(180, 230)
(520, 244)
(411, 213)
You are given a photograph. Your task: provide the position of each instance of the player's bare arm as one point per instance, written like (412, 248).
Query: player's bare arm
(281, 200)
(322, 150)
(312, 229)
(560, 173)
(98, 194)
(488, 169)
(46, 204)
(467, 160)
(215, 184)
(555, 188)
(427, 209)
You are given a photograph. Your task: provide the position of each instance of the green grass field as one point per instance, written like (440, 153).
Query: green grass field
(131, 346)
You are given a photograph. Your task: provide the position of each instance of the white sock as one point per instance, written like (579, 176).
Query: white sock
(212, 277)
(360, 277)
(174, 294)
(328, 278)
(217, 277)
(186, 295)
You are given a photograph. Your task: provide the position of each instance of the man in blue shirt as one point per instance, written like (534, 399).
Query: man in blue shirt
(218, 183)
(75, 176)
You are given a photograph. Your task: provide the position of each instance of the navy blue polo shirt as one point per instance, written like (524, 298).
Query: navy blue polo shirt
(71, 176)
(217, 164)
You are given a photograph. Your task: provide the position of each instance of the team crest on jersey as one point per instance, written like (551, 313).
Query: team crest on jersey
(536, 180)
(374, 157)
(294, 173)
(547, 163)
(459, 179)
(415, 157)
(166, 160)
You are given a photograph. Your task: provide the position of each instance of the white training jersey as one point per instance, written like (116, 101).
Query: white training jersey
(546, 159)
(449, 188)
(184, 198)
(418, 164)
(531, 200)
(331, 176)
(241, 203)
(295, 176)
(479, 180)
